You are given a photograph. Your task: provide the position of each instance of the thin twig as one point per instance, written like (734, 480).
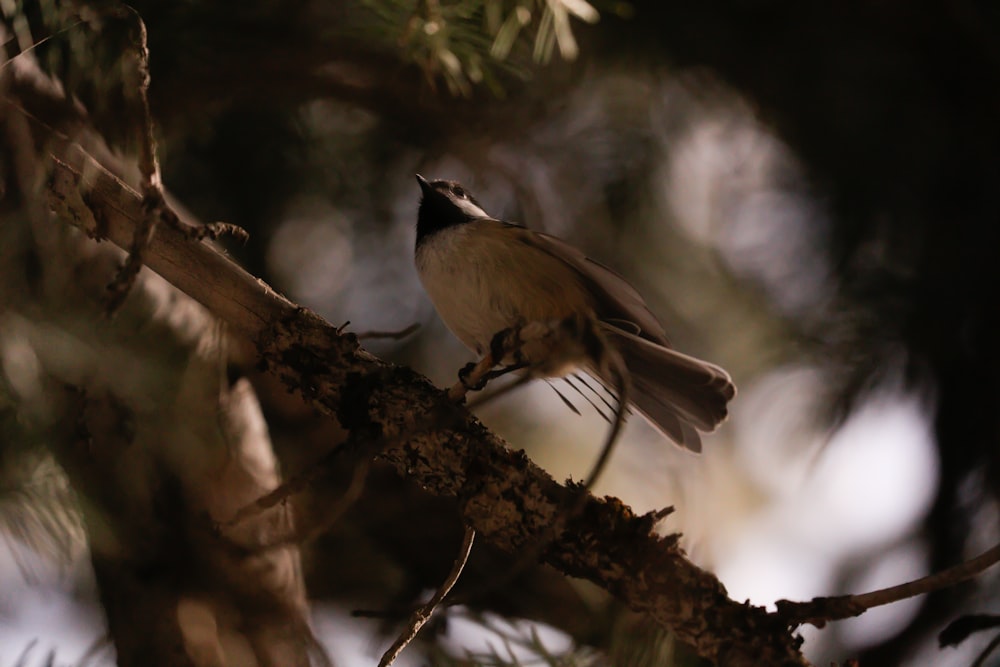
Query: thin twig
(820, 610)
(351, 495)
(578, 340)
(617, 366)
(279, 495)
(157, 210)
(960, 629)
(391, 335)
(152, 190)
(423, 614)
(301, 481)
(986, 652)
(10, 57)
(123, 281)
(149, 166)
(215, 230)
(586, 333)
(499, 393)
(306, 534)
(22, 659)
(933, 582)
(354, 447)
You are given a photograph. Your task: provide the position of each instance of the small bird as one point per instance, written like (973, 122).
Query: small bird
(485, 275)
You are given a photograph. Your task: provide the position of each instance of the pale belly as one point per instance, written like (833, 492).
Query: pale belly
(480, 284)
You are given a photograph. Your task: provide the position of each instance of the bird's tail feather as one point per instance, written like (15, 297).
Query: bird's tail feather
(679, 394)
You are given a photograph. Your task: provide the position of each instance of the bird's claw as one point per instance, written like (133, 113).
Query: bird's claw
(463, 377)
(506, 345)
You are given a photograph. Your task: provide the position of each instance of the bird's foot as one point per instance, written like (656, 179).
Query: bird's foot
(465, 372)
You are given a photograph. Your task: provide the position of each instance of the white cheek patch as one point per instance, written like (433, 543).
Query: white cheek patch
(470, 209)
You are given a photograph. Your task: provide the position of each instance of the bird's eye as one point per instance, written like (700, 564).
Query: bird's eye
(459, 191)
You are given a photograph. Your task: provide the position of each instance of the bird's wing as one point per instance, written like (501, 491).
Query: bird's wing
(616, 302)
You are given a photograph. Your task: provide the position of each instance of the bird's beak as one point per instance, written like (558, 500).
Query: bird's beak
(425, 187)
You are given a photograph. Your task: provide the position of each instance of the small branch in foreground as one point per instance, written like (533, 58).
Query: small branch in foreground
(423, 614)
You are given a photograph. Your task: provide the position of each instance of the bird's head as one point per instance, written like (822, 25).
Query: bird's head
(445, 204)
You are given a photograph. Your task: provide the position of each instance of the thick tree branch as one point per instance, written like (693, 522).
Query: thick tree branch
(504, 496)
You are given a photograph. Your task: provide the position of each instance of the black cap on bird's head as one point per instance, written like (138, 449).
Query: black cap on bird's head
(445, 204)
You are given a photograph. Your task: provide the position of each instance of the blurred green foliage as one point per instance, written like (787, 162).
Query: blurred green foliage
(462, 42)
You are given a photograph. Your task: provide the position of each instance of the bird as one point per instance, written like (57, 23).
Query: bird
(485, 275)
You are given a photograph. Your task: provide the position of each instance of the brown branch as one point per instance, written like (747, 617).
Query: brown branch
(423, 614)
(504, 496)
(821, 610)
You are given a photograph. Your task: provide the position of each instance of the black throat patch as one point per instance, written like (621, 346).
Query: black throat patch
(437, 212)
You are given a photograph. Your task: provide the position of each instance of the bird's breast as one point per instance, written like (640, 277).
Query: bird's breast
(482, 279)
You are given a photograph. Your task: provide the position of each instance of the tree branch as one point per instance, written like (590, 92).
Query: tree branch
(506, 498)
(820, 610)
(503, 495)
(423, 614)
